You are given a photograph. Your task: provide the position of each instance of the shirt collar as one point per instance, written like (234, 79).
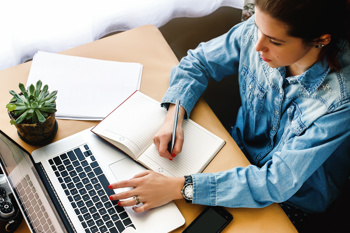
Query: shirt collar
(312, 78)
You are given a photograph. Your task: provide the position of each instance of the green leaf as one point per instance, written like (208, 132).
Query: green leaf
(19, 112)
(38, 87)
(18, 98)
(31, 90)
(40, 116)
(52, 94)
(12, 122)
(12, 92)
(23, 90)
(48, 109)
(34, 105)
(21, 117)
(50, 100)
(11, 107)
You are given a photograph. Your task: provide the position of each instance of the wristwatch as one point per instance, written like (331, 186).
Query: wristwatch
(187, 190)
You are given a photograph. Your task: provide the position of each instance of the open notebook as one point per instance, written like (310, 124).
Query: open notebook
(132, 125)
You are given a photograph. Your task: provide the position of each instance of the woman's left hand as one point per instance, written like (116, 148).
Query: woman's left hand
(151, 188)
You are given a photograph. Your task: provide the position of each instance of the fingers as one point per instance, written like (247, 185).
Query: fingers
(161, 141)
(142, 208)
(129, 202)
(178, 142)
(123, 184)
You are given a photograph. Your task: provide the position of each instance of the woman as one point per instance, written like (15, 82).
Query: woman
(294, 80)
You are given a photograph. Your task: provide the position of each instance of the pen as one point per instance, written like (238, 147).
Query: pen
(176, 116)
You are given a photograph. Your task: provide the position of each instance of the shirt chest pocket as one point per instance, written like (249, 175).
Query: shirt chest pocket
(295, 123)
(255, 95)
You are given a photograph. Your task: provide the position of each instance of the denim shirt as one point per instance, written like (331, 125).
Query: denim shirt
(292, 129)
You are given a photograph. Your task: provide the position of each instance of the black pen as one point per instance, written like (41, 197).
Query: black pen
(176, 116)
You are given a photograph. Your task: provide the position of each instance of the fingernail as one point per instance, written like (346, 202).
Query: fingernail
(119, 203)
(133, 208)
(110, 186)
(173, 155)
(171, 159)
(111, 198)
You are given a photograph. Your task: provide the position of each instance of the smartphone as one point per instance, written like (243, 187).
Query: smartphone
(213, 219)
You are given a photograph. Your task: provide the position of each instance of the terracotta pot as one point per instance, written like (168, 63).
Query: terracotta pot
(39, 133)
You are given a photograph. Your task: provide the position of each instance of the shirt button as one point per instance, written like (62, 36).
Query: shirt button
(271, 70)
(281, 91)
(276, 112)
(250, 87)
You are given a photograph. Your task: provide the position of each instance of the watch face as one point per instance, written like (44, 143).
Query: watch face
(189, 191)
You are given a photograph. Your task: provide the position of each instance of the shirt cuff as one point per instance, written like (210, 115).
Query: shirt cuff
(204, 189)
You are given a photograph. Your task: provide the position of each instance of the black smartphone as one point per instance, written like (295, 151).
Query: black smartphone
(213, 219)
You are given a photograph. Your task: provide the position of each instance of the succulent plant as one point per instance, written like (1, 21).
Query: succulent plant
(32, 105)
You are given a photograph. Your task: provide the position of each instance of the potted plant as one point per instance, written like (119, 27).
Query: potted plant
(32, 111)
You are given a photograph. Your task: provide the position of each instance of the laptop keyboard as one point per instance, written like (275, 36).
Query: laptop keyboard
(31, 203)
(87, 190)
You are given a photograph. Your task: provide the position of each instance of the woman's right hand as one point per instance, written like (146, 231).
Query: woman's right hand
(163, 136)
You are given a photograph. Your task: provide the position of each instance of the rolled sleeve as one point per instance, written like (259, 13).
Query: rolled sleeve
(304, 163)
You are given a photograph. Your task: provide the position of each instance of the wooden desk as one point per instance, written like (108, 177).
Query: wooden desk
(147, 46)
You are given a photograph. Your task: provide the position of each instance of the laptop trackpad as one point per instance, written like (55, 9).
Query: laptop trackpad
(125, 169)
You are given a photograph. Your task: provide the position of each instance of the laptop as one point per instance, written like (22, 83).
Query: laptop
(63, 187)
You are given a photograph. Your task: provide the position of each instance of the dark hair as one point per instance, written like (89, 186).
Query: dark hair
(310, 19)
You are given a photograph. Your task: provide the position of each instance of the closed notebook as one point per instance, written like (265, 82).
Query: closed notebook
(133, 124)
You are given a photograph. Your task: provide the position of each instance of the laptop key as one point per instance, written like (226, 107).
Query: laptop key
(101, 192)
(71, 155)
(127, 221)
(113, 230)
(106, 218)
(115, 217)
(120, 226)
(109, 224)
(66, 162)
(95, 216)
(84, 163)
(99, 222)
(90, 223)
(111, 211)
(123, 215)
(72, 173)
(86, 181)
(70, 185)
(86, 197)
(79, 154)
(87, 216)
(84, 210)
(79, 185)
(94, 164)
(103, 229)
(99, 205)
(93, 210)
(57, 160)
(94, 229)
(80, 204)
(102, 211)
(76, 163)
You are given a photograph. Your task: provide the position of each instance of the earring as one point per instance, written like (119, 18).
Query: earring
(319, 46)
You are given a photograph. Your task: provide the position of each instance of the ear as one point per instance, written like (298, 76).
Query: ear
(323, 40)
